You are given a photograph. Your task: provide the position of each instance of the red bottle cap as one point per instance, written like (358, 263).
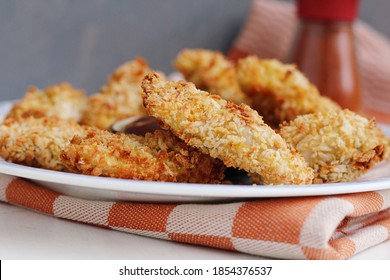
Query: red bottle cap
(328, 9)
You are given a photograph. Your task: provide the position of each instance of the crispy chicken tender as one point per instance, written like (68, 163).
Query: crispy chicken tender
(61, 101)
(37, 142)
(235, 134)
(212, 72)
(279, 92)
(119, 98)
(338, 145)
(385, 140)
(156, 157)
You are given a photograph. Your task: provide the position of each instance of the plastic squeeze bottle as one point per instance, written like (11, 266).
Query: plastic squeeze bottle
(324, 49)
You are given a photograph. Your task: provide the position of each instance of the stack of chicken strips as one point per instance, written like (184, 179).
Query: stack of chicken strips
(257, 115)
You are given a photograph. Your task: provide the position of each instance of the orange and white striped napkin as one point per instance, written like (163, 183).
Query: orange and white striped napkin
(326, 227)
(269, 31)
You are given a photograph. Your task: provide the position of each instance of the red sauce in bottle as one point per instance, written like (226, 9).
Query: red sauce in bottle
(324, 49)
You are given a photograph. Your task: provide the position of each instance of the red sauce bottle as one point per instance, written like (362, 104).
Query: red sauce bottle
(324, 49)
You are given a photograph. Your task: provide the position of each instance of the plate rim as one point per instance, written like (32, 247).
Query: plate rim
(188, 189)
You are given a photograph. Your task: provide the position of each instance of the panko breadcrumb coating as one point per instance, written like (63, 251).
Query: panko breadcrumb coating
(61, 101)
(37, 142)
(279, 92)
(156, 157)
(235, 134)
(212, 72)
(385, 140)
(119, 98)
(338, 145)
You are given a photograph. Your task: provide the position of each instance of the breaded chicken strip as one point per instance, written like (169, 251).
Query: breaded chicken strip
(235, 134)
(156, 157)
(212, 72)
(279, 92)
(37, 142)
(61, 101)
(338, 145)
(385, 140)
(119, 98)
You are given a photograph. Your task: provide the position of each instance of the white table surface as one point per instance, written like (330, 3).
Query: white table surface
(28, 235)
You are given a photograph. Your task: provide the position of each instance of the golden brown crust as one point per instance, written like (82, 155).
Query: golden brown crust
(279, 92)
(62, 145)
(119, 98)
(235, 134)
(387, 148)
(212, 72)
(37, 142)
(61, 101)
(156, 157)
(385, 141)
(338, 145)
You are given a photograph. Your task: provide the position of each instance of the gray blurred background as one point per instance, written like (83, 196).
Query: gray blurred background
(43, 42)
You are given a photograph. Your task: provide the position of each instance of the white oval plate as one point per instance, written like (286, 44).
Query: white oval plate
(101, 188)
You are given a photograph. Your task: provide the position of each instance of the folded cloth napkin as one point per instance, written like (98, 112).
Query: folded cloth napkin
(325, 227)
(269, 31)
